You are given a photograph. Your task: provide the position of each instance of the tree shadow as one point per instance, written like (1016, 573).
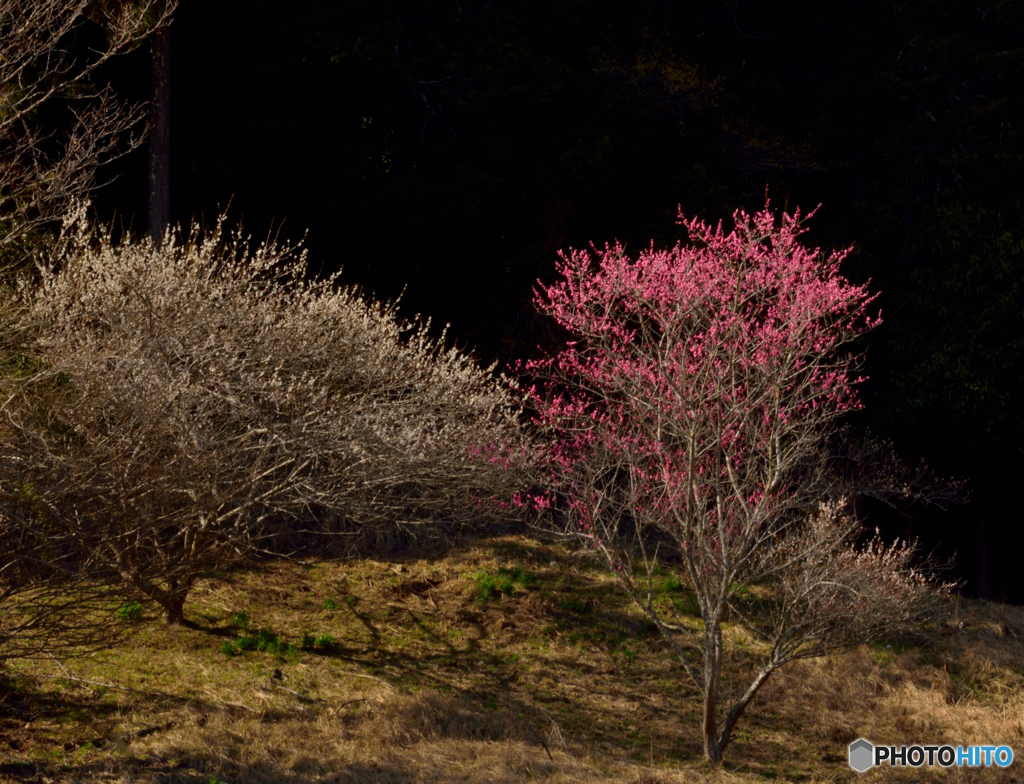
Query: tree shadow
(564, 653)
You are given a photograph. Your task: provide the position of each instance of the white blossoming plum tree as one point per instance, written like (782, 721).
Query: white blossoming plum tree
(196, 397)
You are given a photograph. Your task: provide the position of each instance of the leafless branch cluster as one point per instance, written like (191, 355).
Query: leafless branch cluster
(194, 398)
(803, 581)
(50, 51)
(51, 597)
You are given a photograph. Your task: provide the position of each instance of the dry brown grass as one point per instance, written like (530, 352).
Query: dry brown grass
(558, 682)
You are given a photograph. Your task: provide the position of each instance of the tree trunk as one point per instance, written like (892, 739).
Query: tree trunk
(712, 666)
(172, 600)
(712, 745)
(983, 562)
(174, 611)
(159, 212)
(717, 738)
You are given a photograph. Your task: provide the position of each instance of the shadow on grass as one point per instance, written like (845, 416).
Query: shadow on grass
(215, 631)
(563, 653)
(596, 672)
(21, 701)
(201, 771)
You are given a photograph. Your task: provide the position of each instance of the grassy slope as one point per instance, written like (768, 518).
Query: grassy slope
(416, 680)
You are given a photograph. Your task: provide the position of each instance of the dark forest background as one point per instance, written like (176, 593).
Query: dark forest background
(449, 150)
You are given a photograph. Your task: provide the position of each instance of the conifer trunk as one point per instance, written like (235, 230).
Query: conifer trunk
(159, 207)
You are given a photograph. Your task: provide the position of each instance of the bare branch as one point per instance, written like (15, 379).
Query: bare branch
(44, 59)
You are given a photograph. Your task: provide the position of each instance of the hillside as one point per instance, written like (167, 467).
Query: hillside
(503, 660)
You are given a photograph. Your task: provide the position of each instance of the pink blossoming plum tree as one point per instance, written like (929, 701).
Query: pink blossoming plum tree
(692, 411)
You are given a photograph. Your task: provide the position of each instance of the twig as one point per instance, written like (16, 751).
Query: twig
(144, 692)
(371, 678)
(541, 739)
(237, 705)
(104, 686)
(69, 677)
(148, 731)
(300, 696)
(409, 609)
(554, 729)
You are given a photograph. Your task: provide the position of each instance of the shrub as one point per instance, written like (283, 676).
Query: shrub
(198, 397)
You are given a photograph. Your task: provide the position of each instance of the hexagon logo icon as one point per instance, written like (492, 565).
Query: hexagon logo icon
(862, 755)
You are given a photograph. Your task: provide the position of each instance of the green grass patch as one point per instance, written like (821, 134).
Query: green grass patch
(320, 643)
(493, 586)
(264, 641)
(672, 589)
(576, 606)
(886, 653)
(130, 611)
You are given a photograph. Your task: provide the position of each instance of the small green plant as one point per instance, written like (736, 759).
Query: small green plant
(672, 583)
(687, 604)
(239, 621)
(246, 643)
(489, 585)
(678, 592)
(625, 652)
(323, 643)
(20, 366)
(330, 604)
(575, 606)
(740, 591)
(528, 581)
(886, 652)
(130, 611)
(268, 642)
(265, 641)
(239, 645)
